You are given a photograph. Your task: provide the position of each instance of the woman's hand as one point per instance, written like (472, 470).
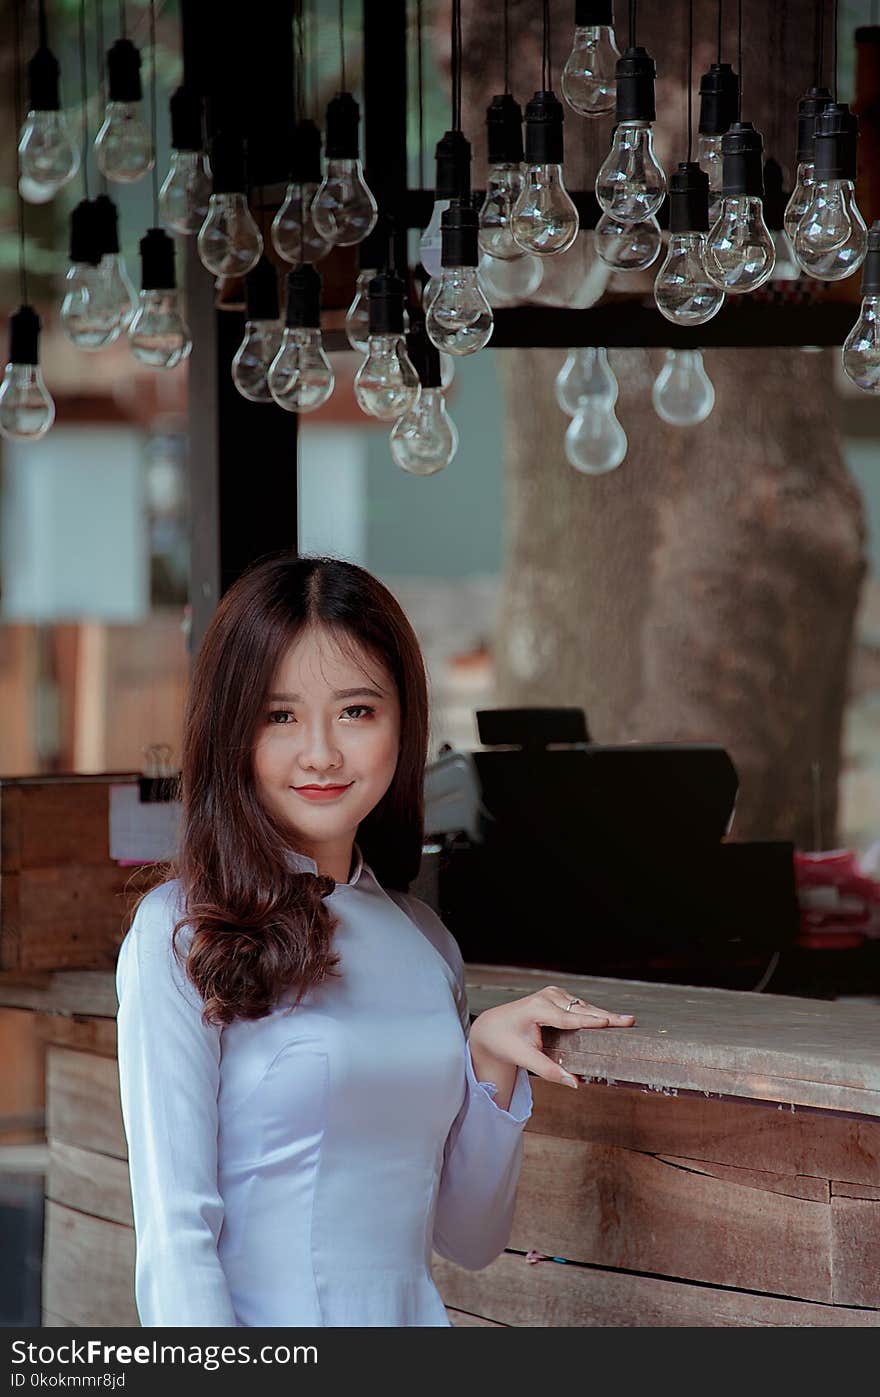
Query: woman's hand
(510, 1034)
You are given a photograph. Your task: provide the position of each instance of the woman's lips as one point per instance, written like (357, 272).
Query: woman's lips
(321, 792)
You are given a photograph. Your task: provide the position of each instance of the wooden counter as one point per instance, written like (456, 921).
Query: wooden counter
(719, 1165)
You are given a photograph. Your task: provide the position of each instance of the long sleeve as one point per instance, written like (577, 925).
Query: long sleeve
(169, 1071)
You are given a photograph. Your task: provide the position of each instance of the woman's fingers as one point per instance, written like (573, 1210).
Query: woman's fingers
(577, 1013)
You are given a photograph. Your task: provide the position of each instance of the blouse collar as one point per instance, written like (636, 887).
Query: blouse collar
(301, 863)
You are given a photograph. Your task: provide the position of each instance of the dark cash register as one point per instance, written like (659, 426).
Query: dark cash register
(556, 852)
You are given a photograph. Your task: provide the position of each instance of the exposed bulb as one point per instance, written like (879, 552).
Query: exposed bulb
(861, 348)
(710, 160)
(229, 242)
(301, 378)
(588, 78)
(254, 357)
(627, 247)
(459, 318)
(123, 148)
(800, 197)
(90, 317)
(504, 183)
(47, 156)
(683, 292)
(545, 221)
(386, 384)
(586, 379)
(430, 243)
(507, 282)
(344, 210)
(158, 334)
(186, 192)
(740, 254)
(294, 235)
(831, 238)
(425, 438)
(595, 442)
(682, 393)
(357, 318)
(120, 289)
(631, 183)
(26, 407)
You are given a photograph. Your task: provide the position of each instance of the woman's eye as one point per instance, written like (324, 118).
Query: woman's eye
(279, 713)
(360, 708)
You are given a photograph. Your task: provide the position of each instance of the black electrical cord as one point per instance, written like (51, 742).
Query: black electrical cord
(123, 23)
(834, 48)
(633, 8)
(546, 74)
(456, 65)
(19, 116)
(720, 13)
(820, 42)
(506, 46)
(154, 120)
(84, 96)
(420, 84)
(342, 44)
(102, 81)
(690, 79)
(43, 26)
(739, 58)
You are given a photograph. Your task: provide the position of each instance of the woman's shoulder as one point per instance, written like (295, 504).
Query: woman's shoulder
(148, 940)
(433, 927)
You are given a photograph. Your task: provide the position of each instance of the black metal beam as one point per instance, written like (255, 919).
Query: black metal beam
(385, 114)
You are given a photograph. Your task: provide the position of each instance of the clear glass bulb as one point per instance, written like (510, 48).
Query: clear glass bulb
(740, 254)
(682, 393)
(344, 210)
(123, 148)
(631, 183)
(424, 439)
(800, 197)
(253, 359)
(682, 290)
(589, 83)
(711, 160)
(545, 221)
(431, 241)
(357, 318)
(831, 238)
(503, 187)
(386, 384)
(186, 192)
(26, 407)
(627, 247)
(294, 235)
(506, 282)
(595, 442)
(586, 379)
(47, 156)
(301, 377)
(861, 348)
(229, 242)
(459, 318)
(120, 289)
(158, 334)
(90, 317)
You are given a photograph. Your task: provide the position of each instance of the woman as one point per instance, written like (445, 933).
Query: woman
(306, 1116)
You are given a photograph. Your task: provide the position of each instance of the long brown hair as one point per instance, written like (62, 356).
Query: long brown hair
(260, 928)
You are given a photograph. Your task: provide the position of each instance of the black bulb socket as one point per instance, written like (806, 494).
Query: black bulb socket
(44, 82)
(590, 14)
(343, 118)
(305, 156)
(689, 199)
(545, 143)
(303, 298)
(834, 143)
(261, 291)
(775, 198)
(107, 221)
(460, 234)
(811, 104)
(124, 72)
(424, 356)
(742, 150)
(24, 335)
(228, 163)
(635, 74)
(373, 250)
(385, 295)
(85, 234)
(453, 156)
(157, 261)
(186, 120)
(504, 130)
(871, 264)
(719, 99)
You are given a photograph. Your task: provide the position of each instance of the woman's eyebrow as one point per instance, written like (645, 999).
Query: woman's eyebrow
(339, 694)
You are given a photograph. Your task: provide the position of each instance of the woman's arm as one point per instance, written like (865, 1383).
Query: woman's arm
(169, 1065)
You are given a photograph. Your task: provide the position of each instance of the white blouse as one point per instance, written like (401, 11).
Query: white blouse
(299, 1169)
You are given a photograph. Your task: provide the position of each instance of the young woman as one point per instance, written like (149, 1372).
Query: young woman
(307, 1117)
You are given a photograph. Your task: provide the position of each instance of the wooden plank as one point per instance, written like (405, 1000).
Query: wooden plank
(90, 1182)
(793, 1185)
(87, 1035)
(90, 992)
(855, 1224)
(64, 918)
(51, 1321)
(609, 1207)
(548, 1294)
(82, 1102)
(842, 1190)
(88, 1269)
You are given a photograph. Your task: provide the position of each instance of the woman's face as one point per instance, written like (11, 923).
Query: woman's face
(329, 721)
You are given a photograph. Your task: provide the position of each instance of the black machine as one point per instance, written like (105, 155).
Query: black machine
(558, 852)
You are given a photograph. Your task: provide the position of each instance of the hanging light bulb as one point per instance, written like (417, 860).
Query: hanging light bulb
(301, 378)
(89, 317)
(26, 407)
(682, 290)
(544, 220)
(123, 148)
(861, 348)
(517, 279)
(740, 254)
(631, 184)
(120, 290)
(459, 318)
(424, 439)
(371, 255)
(595, 442)
(452, 181)
(588, 76)
(627, 247)
(186, 189)
(47, 156)
(682, 393)
(158, 334)
(262, 334)
(719, 102)
(386, 384)
(831, 238)
(294, 235)
(343, 210)
(586, 380)
(809, 107)
(504, 179)
(229, 241)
